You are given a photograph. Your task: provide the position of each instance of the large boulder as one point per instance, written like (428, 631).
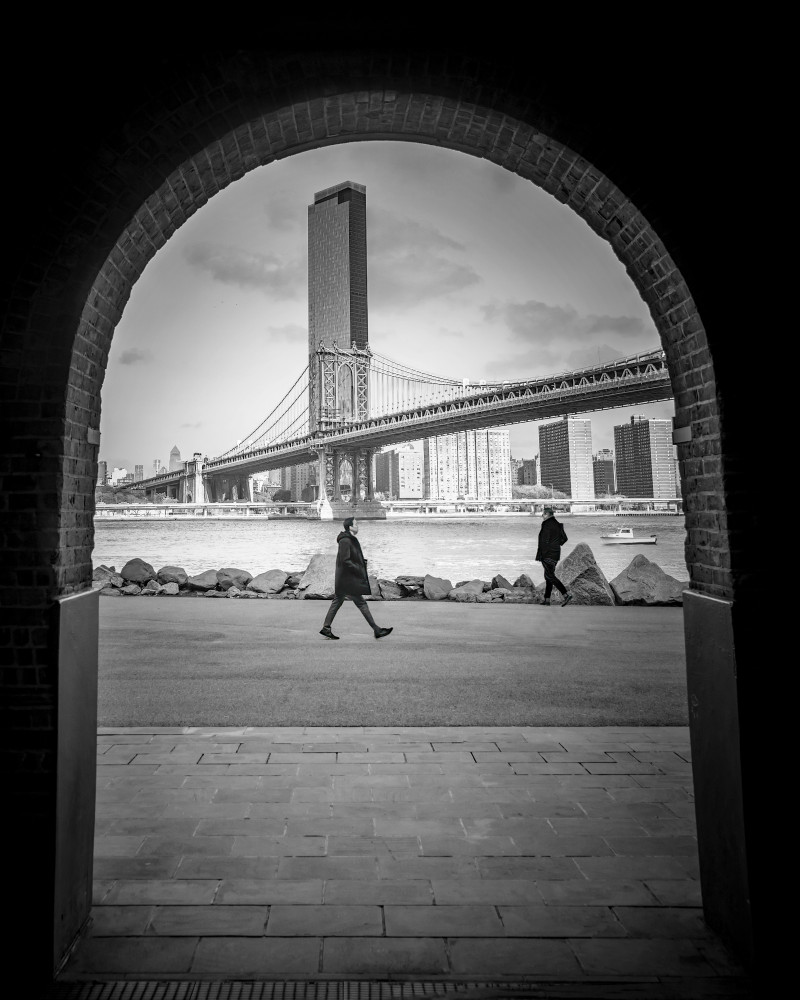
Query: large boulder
(374, 589)
(410, 582)
(170, 590)
(521, 595)
(523, 580)
(319, 579)
(268, 583)
(464, 596)
(470, 587)
(131, 590)
(106, 576)
(581, 575)
(173, 574)
(203, 581)
(390, 591)
(436, 588)
(645, 582)
(151, 589)
(293, 580)
(232, 577)
(137, 571)
(500, 581)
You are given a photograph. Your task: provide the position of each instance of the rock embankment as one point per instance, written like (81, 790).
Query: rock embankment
(640, 583)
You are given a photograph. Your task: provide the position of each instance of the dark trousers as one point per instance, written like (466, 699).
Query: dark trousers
(550, 578)
(360, 603)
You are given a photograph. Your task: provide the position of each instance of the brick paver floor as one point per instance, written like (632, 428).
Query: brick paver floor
(435, 853)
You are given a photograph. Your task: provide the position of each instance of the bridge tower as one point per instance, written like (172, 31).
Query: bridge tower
(339, 357)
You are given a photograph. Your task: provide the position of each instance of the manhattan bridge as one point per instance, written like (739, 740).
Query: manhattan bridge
(350, 401)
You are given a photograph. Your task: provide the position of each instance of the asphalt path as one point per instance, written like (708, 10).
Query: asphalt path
(205, 662)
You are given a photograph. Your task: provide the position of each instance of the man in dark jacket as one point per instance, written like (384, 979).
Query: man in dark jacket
(551, 537)
(351, 580)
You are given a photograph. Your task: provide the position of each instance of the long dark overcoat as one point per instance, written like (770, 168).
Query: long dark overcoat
(351, 567)
(551, 537)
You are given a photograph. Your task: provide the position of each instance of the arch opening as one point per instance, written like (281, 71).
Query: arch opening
(343, 116)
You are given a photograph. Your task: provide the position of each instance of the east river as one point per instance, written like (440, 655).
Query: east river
(457, 548)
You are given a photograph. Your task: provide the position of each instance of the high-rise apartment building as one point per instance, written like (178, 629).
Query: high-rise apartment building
(605, 480)
(565, 453)
(156, 466)
(300, 481)
(516, 465)
(337, 267)
(398, 473)
(645, 458)
(471, 465)
(138, 473)
(102, 473)
(528, 473)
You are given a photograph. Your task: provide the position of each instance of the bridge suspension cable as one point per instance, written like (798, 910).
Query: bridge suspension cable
(288, 419)
(395, 386)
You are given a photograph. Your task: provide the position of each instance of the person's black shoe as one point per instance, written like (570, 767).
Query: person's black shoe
(566, 600)
(381, 632)
(326, 633)
(546, 603)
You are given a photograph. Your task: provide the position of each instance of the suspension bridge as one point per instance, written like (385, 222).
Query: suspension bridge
(349, 403)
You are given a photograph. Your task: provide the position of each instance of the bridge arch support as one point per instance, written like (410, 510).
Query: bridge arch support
(153, 162)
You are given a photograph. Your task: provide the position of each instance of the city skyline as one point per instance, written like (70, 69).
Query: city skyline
(473, 273)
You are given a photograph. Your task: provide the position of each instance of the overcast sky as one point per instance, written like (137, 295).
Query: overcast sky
(473, 273)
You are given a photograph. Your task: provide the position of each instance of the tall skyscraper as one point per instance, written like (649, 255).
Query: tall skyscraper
(102, 473)
(337, 267)
(473, 465)
(156, 466)
(645, 458)
(175, 463)
(138, 473)
(565, 452)
(338, 332)
(605, 480)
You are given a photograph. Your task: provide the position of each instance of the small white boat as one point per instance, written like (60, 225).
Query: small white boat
(625, 536)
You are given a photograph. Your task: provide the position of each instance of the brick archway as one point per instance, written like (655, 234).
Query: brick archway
(170, 155)
(479, 131)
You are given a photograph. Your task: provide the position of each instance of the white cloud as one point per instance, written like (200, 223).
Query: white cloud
(266, 272)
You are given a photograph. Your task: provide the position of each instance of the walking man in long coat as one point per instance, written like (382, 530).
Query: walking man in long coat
(551, 537)
(351, 580)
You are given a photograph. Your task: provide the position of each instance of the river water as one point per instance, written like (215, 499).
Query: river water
(457, 548)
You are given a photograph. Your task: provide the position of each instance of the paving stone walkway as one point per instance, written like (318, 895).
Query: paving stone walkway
(395, 853)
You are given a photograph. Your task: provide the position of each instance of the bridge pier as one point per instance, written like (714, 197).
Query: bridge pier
(362, 503)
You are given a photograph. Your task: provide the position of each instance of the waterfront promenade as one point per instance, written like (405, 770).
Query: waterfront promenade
(558, 859)
(200, 662)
